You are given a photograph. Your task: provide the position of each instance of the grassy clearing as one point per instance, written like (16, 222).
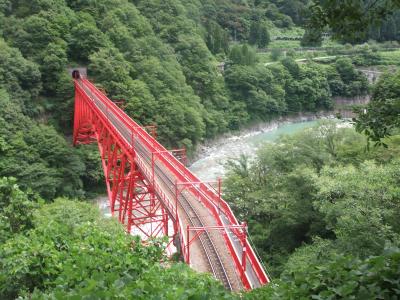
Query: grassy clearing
(287, 32)
(265, 57)
(390, 57)
(296, 44)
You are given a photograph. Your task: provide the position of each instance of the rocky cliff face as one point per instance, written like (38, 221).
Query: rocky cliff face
(358, 100)
(344, 105)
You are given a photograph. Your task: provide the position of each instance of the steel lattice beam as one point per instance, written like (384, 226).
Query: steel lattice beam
(133, 162)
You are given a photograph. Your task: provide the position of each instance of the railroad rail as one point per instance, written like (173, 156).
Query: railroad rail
(142, 180)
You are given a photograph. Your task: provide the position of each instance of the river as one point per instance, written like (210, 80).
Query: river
(211, 164)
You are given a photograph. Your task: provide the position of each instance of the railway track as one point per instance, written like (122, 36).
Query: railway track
(209, 249)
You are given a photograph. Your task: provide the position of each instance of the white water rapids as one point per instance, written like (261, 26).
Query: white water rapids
(211, 164)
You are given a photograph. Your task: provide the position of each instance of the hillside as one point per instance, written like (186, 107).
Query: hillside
(191, 68)
(157, 57)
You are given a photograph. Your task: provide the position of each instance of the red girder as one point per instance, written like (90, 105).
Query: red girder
(140, 202)
(128, 192)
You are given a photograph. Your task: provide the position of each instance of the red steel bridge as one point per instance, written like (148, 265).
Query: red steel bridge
(152, 192)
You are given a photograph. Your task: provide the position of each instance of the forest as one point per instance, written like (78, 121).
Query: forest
(165, 74)
(332, 191)
(337, 206)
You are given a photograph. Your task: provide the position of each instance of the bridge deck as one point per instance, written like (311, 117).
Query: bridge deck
(210, 250)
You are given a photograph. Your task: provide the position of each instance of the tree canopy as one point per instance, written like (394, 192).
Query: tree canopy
(67, 250)
(381, 117)
(315, 202)
(323, 214)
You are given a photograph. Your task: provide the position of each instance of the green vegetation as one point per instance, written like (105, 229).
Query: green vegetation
(261, 93)
(65, 250)
(390, 58)
(312, 38)
(319, 187)
(35, 154)
(358, 20)
(259, 35)
(380, 118)
(323, 213)
(343, 277)
(158, 57)
(346, 81)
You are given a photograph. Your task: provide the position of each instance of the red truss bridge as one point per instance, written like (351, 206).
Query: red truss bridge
(152, 193)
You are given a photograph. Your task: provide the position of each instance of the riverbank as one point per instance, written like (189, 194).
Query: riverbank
(207, 147)
(213, 164)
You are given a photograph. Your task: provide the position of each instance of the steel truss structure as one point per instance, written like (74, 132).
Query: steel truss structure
(149, 187)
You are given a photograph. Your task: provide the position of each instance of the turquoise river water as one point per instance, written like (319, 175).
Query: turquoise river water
(211, 164)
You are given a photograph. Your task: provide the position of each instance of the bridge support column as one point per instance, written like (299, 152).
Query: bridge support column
(145, 216)
(83, 128)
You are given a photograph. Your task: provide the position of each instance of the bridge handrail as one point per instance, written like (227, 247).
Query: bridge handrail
(175, 166)
(209, 197)
(103, 116)
(138, 159)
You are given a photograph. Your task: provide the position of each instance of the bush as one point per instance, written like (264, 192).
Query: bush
(344, 277)
(72, 252)
(275, 54)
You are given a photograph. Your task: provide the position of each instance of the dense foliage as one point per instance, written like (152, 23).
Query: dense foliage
(357, 20)
(317, 202)
(248, 20)
(262, 93)
(37, 155)
(66, 250)
(343, 277)
(16, 209)
(159, 58)
(381, 117)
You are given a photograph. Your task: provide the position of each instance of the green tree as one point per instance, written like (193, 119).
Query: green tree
(351, 21)
(381, 116)
(292, 66)
(53, 65)
(73, 252)
(276, 53)
(264, 37)
(217, 39)
(316, 194)
(259, 34)
(16, 209)
(343, 276)
(86, 39)
(20, 77)
(312, 38)
(243, 55)
(31, 152)
(359, 204)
